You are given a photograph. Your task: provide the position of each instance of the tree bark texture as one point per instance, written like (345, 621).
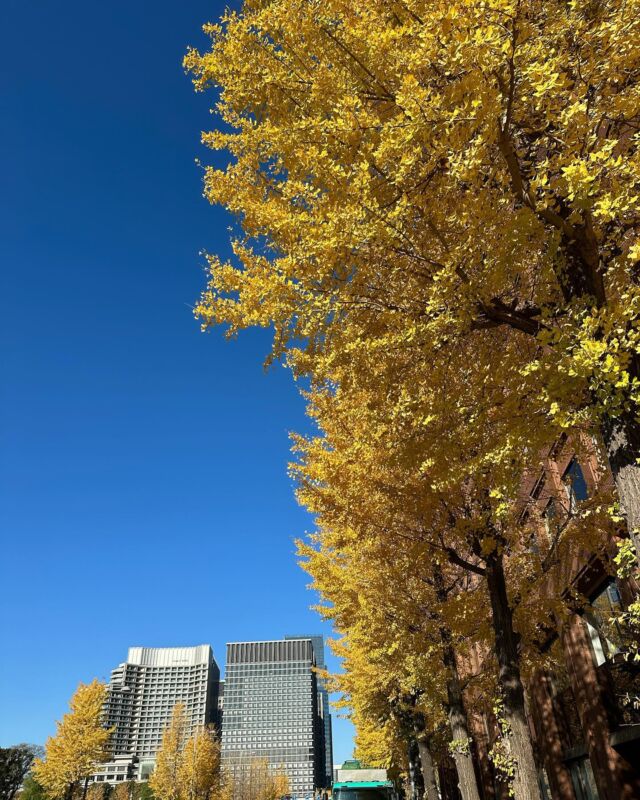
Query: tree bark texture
(525, 783)
(622, 441)
(448, 779)
(428, 770)
(415, 771)
(462, 757)
(621, 433)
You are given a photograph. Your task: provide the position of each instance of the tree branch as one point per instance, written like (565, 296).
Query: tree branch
(454, 558)
(496, 313)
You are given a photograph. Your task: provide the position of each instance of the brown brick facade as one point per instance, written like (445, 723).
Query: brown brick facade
(586, 721)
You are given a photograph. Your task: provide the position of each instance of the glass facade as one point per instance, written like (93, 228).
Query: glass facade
(317, 643)
(600, 618)
(583, 780)
(272, 711)
(575, 485)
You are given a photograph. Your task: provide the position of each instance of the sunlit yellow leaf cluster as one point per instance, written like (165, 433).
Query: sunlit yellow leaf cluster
(80, 743)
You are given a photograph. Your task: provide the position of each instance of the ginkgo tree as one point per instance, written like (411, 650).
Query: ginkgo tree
(381, 481)
(437, 209)
(254, 778)
(80, 743)
(400, 669)
(188, 763)
(447, 168)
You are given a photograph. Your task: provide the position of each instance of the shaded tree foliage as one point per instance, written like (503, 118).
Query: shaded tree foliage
(15, 763)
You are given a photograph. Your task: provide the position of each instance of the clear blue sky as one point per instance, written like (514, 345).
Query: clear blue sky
(144, 494)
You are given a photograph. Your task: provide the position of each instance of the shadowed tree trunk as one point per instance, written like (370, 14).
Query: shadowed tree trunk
(525, 783)
(415, 771)
(448, 780)
(428, 769)
(462, 757)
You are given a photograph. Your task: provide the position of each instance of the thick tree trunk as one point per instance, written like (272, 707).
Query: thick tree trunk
(448, 780)
(525, 783)
(428, 770)
(622, 441)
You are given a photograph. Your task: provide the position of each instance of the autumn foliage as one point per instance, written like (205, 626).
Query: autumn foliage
(187, 766)
(438, 215)
(81, 742)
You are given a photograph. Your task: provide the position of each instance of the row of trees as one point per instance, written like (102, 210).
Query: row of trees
(125, 790)
(188, 765)
(255, 779)
(190, 769)
(438, 217)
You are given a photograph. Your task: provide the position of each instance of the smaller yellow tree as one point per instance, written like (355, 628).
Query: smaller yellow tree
(278, 786)
(165, 780)
(187, 768)
(257, 780)
(226, 788)
(122, 791)
(81, 742)
(199, 770)
(101, 791)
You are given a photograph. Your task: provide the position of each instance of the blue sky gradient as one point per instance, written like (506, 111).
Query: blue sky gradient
(144, 494)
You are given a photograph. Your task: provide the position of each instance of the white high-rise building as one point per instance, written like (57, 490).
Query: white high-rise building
(141, 697)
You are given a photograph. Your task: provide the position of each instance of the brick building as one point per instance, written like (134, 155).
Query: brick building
(584, 716)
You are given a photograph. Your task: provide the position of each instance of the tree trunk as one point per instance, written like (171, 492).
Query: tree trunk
(428, 770)
(415, 772)
(622, 440)
(518, 740)
(462, 756)
(84, 789)
(463, 759)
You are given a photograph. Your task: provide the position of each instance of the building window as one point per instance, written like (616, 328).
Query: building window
(550, 515)
(584, 783)
(575, 485)
(543, 784)
(534, 547)
(602, 626)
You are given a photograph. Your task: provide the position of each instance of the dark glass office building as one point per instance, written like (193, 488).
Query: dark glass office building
(317, 643)
(273, 711)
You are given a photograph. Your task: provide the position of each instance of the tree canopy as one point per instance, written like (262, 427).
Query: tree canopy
(80, 743)
(15, 763)
(438, 215)
(187, 764)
